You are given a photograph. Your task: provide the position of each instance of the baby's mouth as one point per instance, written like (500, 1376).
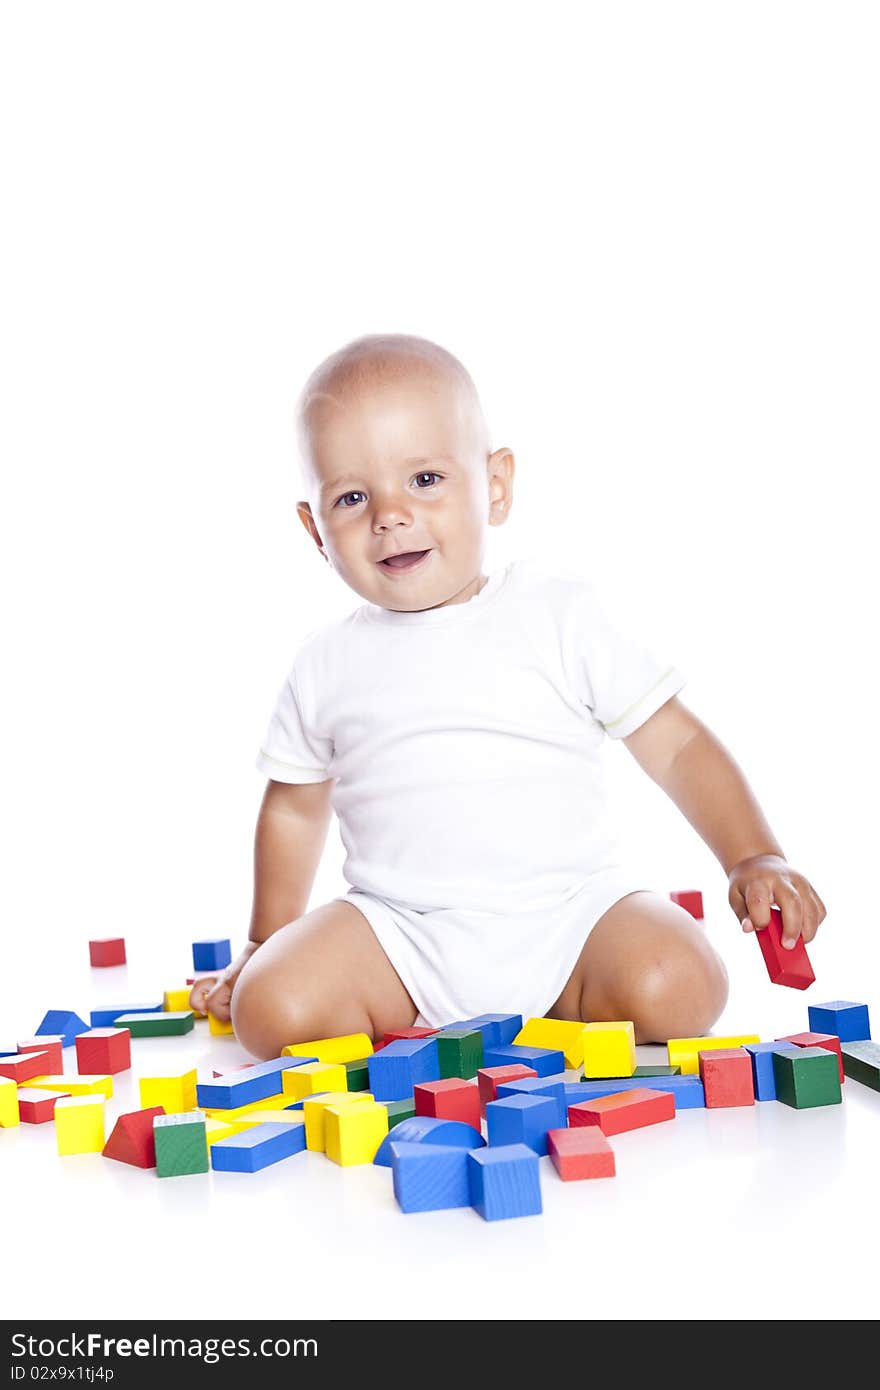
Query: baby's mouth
(407, 560)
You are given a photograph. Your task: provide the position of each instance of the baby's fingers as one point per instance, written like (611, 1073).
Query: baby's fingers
(200, 991)
(218, 1001)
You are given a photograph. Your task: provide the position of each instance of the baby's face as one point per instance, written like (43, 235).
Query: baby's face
(402, 489)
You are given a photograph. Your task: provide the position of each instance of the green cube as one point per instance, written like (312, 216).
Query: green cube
(807, 1076)
(158, 1025)
(399, 1110)
(861, 1062)
(181, 1144)
(358, 1075)
(657, 1071)
(460, 1052)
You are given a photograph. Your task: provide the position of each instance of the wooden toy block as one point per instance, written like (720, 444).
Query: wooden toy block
(348, 1047)
(63, 1023)
(174, 1094)
(657, 1071)
(842, 1019)
(426, 1177)
(105, 1050)
(106, 1018)
(231, 1071)
(831, 1044)
(459, 1053)
(505, 1181)
(806, 1077)
(688, 1090)
(176, 1001)
(489, 1079)
(684, 1052)
(257, 1147)
(297, 1082)
(220, 1027)
(358, 1074)
(313, 1108)
(553, 1087)
(399, 1110)
(353, 1133)
(157, 1025)
(74, 1084)
(726, 1074)
(400, 1066)
(79, 1124)
(24, 1066)
(449, 1099)
(107, 950)
(580, 1153)
(763, 1079)
(253, 1083)
(522, 1120)
(276, 1102)
(220, 1129)
(214, 954)
(784, 966)
(543, 1061)
(861, 1062)
(423, 1129)
(181, 1144)
(557, 1034)
(37, 1107)
(691, 899)
(609, 1049)
(617, 1114)
(52, 1047)
(503, 1028)
(132, 1138)
(9, 1109)
(407, 1034)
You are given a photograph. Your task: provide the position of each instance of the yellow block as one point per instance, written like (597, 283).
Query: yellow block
(9, 1115)
(79, 1124)
(349, 1047)
(220, 1129)
(299, 1082)
(609, 1049)
(85, 1085)
(276, 1117)
(176, 1001)
(218, 1028)
(353, 1133)
(313, 1111)
(174, 1093)
(684, 1052)
(555, 1033)
(276, 1102)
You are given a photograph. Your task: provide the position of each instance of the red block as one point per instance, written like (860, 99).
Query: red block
(580, 1153)
(132, 1138)
(103, 1050)
(227, 1071)
(784, 967)
(35, 1107)
(490, 1078)
(726, 1074)
(407, 1034)
(450, 1099)
(624, 1110)
(109, 950)
(691, 900)
(54, 1050)
(23, 1066)
(826, 1040)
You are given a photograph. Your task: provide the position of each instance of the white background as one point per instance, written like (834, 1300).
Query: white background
(650, 232)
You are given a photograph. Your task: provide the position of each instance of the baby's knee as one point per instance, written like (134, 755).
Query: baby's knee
(266, 1019)
(680, 996)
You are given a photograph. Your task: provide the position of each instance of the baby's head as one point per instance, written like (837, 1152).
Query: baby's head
(396, 461)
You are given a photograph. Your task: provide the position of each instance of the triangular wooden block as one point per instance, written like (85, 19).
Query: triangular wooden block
(132, 1138)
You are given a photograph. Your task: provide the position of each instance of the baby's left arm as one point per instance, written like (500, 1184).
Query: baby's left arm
(693, 767)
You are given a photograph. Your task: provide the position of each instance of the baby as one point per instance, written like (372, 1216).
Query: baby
(453, 721)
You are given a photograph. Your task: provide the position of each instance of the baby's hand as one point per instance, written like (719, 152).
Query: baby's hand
(212, 994)
(755, 883)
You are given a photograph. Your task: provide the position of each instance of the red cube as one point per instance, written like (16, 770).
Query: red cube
(24, 1066)
(691, 900)
(53, 1063)
(108, 950)
(580, 1153)
(826, 1040)
(726, 1074)
(35, 1107)
(490, 1078)
(624, 1110)
(450, 1099)
(103, 1050)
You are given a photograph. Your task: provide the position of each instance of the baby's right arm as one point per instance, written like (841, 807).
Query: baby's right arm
(290, 835)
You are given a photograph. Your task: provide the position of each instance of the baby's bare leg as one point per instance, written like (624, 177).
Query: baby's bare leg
(647, 960)
(319, 976)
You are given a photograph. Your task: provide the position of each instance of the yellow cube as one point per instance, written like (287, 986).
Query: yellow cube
(276, 1102)
(218, 1028)
(609, 1049)
(79, 1124)
(299, 1082)
(353, 1133)
(313, 1111)
(556, 1033)
(176, 1001)
(74, 1085)
(348, 1047)
(684, 1052)
(9, 1115)
(174, 1093)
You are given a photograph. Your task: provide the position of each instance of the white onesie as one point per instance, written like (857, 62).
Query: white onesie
(464, 742)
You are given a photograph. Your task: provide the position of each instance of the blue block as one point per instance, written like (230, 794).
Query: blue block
(553, 1086)
(427, 1177)
(255, 1083)
(522, 1120)
(490, 1032)
(545, 1061)
(842, 1018)
(505, 1026)
(257, 1147)
(505, 1181)
(762, 1066)
(426, 1129)
(688, 1090)
(63, 1023)
(105, 1018)
(212, 955)
(400, 1066)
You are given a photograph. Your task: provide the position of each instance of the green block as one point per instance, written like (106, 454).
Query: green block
(158, 1025)
(657, 1071)
(399, 1110)
(806, 1077)
(358, 1076)
(460, 1052)
(861, 1062)
(181, 1144)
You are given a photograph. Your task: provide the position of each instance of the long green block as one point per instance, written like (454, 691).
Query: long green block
(156, 1025)
(807, 1076)
(657, 1071)
(358, 1075)
(861, 1062)
(399, 1110)
(460, 1052)
(181, 1144)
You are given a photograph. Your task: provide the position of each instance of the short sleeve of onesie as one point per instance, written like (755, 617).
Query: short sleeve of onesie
(291, 750)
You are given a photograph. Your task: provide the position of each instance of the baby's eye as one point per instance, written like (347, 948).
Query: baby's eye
(426, 475)
(343, 502)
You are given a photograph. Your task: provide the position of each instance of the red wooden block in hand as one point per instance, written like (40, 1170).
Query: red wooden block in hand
(784, 967)
(580, 1153)
(102, 1051)
(109, 950)
(54, 1049)
(624, 1110)
(490, 1078)
(35, 1107)
(691, 900)
(24, 1066)
(450, 1099)
(826, 1040)
(726, 1074)
(132, 1139)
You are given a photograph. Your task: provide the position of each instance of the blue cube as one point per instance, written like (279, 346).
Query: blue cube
(257, 1147)
(553, 1086)
(505, 1181)
(762, 1066)
(396, 1069)
(842, 1018)
(545, 1061)
(428, 1177)
(523, 1120)
(212, 955)
(427, 1129)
